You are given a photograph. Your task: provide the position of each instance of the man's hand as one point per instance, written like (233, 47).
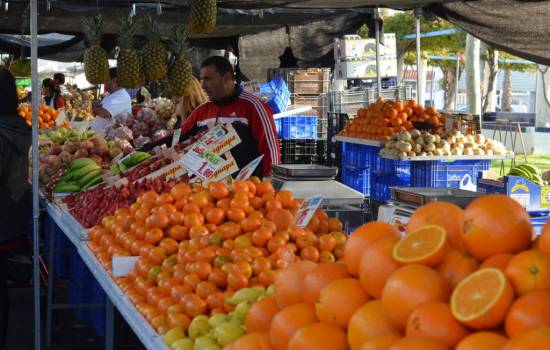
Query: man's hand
(101, 112)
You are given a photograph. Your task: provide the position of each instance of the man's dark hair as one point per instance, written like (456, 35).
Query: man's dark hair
(48, 82)
(59, 78)
(112, 73)
(222, 64)
(8, 93)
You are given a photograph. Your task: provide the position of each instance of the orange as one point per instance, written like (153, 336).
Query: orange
(529, 271)
(496, 224)
(538, 338)
(367, 322)
(447, 215)
(528, 312)
(381, 342)
(251, 341)
(318, 335)
(310, 253)
(218, 190)
(482, 341)
(361, 239)
(281, 217)
(330, 306)
(435, 320)
(287, 322)
(289, 283)
(456, 266)
(482, 299)
(408, 287)
(544, 238)
(260, 315)
(499, 261)
(418, 343)
(427, 245)
(286, 198)
(319, 277)
(376, 265)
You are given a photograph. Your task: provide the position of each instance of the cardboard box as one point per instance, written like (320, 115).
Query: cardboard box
(352, 46)
(363, 69)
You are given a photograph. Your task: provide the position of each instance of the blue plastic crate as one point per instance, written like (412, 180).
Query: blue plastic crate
(278, 127)
(357, 178)
(393, 167)
(279, 95)
(381, 184)
(299, 127)
(440, 174)
(360, 156)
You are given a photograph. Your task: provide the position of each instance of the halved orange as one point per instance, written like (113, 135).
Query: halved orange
(482, 299)
(426, 245)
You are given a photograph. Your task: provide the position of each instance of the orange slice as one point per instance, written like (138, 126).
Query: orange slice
(482, 299)
(427, 245)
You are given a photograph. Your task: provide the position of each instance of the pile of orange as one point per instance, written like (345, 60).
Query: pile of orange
(46, 116)
(382, 119)
(472, 279)
(197, 246)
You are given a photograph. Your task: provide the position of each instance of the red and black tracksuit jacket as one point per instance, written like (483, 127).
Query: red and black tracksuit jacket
(253, 121)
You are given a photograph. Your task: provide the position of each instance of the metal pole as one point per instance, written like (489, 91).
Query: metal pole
(418, 60)
(51, 272)
(377, 38)
(35, 166)
(456, 80)
(432, 87)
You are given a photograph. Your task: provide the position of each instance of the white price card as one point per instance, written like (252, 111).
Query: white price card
(122, 265)
(220, 139)
(248, 169)
(306, 211)
(60, 118)
(201, 162)
(176, 137)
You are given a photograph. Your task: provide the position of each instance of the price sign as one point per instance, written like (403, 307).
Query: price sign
(201, 162)
(306, 211)
(176, 138)
(245, 172)
(228, 168)
(60, 118)
(220, 139)
(122, 265)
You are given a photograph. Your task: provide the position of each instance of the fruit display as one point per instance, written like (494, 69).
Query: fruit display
(202, 16)
(82, 174)
(380, 120)
(46, 116)
(163, 107)
(129, 72)
(21, 67)
(530, 172)
(143, 128)
(154, 52)
(96, 60)
(79, 106)
(180, 71)
(129, 162)
(421, 143)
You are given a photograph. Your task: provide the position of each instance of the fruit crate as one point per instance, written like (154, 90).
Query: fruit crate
(299, 127)
(335, 123)
(357, 178)
(319, 105)
(438, 173)
(298, 151)
(276, 93)
(381, 184)
(303, 81)
(534, 198)
(398, 92)
(386, 83)
(278, 126)
(349, 101)
(360, 156)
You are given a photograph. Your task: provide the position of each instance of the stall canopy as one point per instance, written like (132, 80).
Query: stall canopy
(261, 31)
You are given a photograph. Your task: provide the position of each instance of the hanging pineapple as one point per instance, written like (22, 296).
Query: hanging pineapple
(180, 71)
(128, 61)
(202, 16)
(96, 60)
(154, 52)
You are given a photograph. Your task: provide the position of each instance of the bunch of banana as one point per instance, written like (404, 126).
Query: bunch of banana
(129, 162)
(82, 174)
(529, 172)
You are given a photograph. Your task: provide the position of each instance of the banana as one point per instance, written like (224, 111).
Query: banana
(78, 173)
(80, 163)
(135, 158)
(89, 176)
(96, 180)
(531, 168)
(66, 187)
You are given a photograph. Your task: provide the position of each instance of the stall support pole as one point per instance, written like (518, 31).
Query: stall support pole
(456, 80)
(51, 272)
(418, 94)
(109, 324)
(377, 38)
(35, 165)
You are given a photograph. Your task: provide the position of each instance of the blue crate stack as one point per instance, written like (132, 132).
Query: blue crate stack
(299, 127)
(279, 94)
(390, 173)
(358, 162)
(441, 174)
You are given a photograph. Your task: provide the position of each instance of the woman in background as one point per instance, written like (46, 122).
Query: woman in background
(15, 142)
(52, 95)
(187, 103)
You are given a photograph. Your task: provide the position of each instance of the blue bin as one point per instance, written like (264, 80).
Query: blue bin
(381, 184)
(360, 156)
(279, 94)
(441, 174)
(299, 127)
(278, 127)
(357, 178)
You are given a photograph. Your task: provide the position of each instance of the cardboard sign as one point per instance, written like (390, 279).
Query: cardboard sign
(220, 139)
(247, 171)
(306, 211)
(169, 172)
(122, 265)
(201, 162)
(224, 170)
(60, 118)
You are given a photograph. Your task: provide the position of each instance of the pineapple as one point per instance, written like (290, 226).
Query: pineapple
(128, 61)
(154, 52)
(96, 61)
(202, 16)
(180, 72)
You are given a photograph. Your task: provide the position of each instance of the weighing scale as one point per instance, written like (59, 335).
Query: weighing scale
(309, 180)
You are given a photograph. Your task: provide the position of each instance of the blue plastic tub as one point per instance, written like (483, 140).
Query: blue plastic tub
(299, 127)
(440, 174)
(279, 95)
(360, 156)
(357, 178)
(381, 184)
